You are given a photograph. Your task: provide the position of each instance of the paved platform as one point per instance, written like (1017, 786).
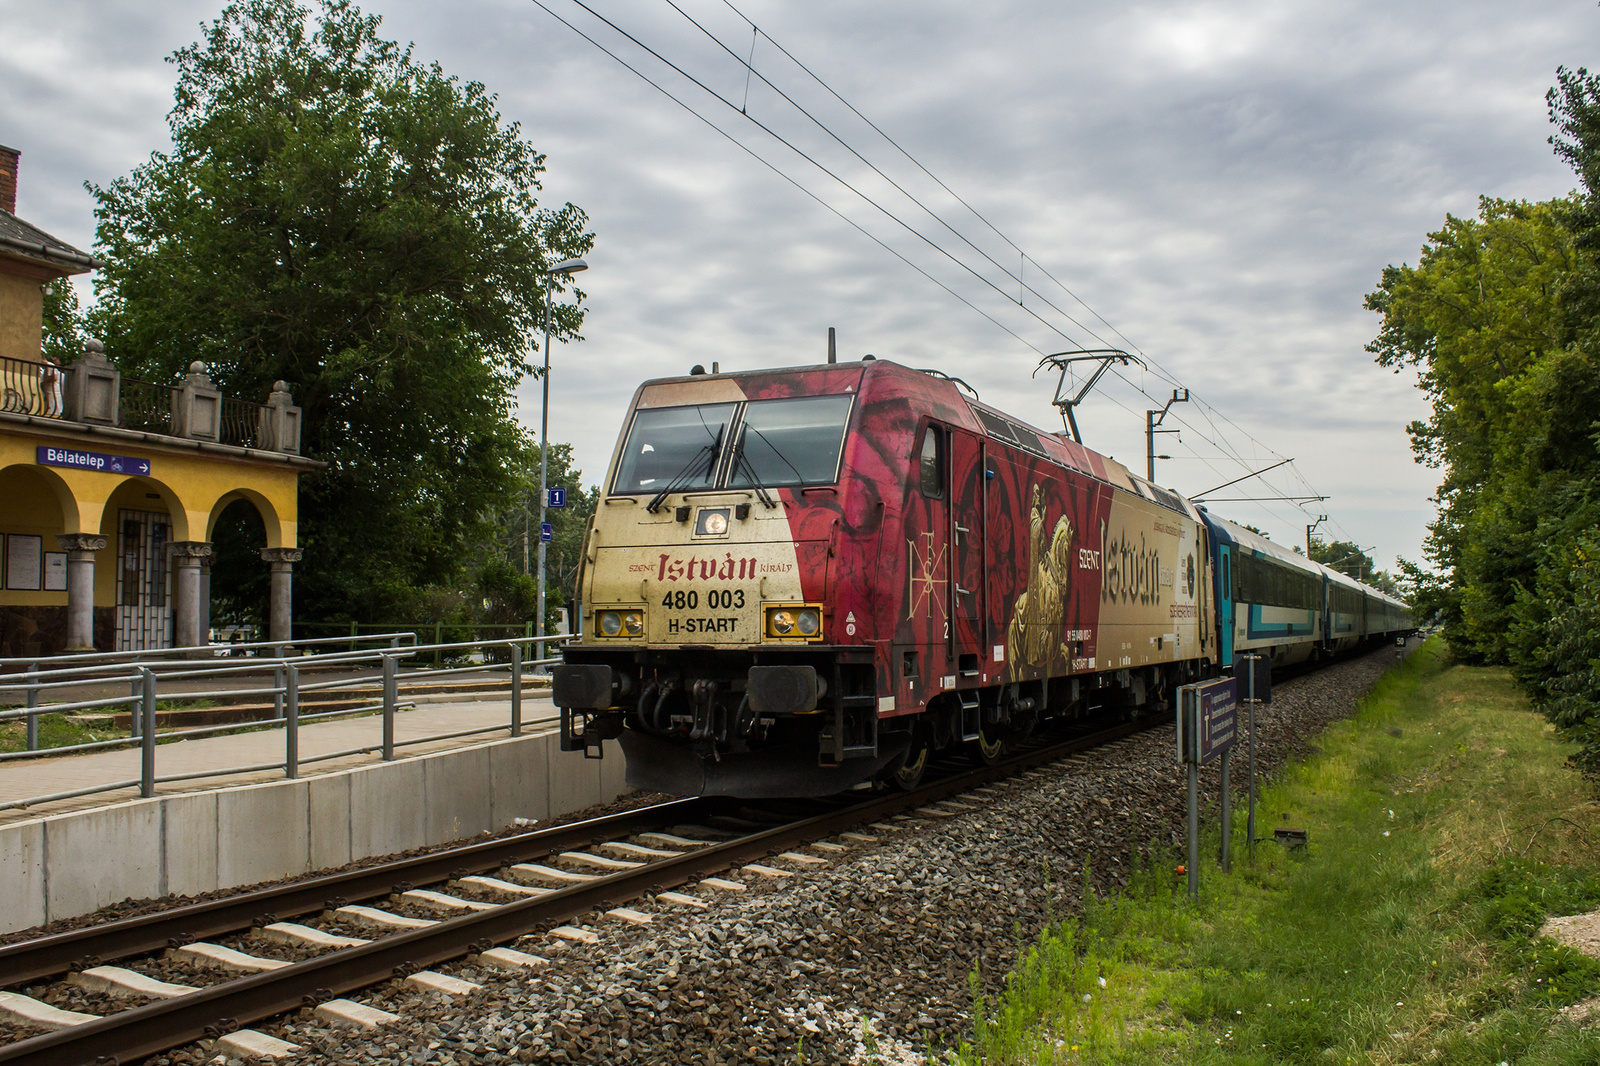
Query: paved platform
(46, 775)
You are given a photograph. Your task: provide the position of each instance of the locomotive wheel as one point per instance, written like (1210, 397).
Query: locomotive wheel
(989, 747)
(909, 775)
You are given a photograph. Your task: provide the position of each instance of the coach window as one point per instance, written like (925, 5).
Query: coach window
(932, 461)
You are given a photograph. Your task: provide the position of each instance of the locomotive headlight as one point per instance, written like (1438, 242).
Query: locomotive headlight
(610, 623)
(633, 622)
(797, 621)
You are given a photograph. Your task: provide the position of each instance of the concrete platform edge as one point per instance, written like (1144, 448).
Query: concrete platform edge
(70, 864)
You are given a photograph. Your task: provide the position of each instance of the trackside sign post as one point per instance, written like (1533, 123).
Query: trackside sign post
(1208, 726)
(1252, 673)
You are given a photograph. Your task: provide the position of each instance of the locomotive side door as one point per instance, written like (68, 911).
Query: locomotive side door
(923, 628)
(968, 547)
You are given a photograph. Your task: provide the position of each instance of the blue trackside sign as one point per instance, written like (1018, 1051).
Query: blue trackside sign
(558, 497)
(1208, 720)
(51, 455)
(547, 531)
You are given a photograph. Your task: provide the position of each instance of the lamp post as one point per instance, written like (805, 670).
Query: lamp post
(568, 266)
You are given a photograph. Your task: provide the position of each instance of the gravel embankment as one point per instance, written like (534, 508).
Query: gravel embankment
(887, 932)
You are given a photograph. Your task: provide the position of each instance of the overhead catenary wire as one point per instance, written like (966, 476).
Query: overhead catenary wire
(770, 166)
(1217, 438)
(1206, 408)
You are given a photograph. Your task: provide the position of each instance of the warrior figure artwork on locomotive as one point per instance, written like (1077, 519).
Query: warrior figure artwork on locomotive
(1034, 635)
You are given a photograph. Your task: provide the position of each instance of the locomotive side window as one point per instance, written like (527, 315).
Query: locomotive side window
(673, 445)
(790, 442)
(931, 462)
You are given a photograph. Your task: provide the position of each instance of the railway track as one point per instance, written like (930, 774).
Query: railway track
(593, 865)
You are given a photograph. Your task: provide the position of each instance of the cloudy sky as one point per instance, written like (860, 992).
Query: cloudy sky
(1220, 182)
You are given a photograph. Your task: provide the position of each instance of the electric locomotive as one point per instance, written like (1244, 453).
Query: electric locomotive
(801, 580)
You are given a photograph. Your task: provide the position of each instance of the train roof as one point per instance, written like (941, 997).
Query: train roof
(1053, 445)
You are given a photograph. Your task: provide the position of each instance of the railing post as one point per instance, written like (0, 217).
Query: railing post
(291, 714)
(280, 682)
(135, 714)
(33, 701)
(147, 747)
(516, 690)
(438, 638)
(391, 692)
(353, 636)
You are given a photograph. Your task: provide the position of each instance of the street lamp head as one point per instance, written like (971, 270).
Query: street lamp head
(568, 266)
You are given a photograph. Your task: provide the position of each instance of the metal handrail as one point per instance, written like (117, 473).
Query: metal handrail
(144, 680)
(161, 654)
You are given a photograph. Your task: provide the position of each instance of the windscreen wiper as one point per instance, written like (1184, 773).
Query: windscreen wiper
(682, 476)
(799, 478)
(742, 461)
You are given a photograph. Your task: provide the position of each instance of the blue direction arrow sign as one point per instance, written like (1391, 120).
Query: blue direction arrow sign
(546, 531)
(557, 498)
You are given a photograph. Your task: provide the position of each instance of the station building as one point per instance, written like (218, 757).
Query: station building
(110, 487)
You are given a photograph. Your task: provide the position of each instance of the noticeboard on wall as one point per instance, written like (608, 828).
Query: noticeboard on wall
(55, 571)
(24, 562)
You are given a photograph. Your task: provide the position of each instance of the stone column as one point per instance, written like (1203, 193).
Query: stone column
(80, 549)
(186, 558)
(282, 559)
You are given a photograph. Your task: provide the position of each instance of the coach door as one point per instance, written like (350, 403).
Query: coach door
(144, 612)
(1225, 588)
(968, 545)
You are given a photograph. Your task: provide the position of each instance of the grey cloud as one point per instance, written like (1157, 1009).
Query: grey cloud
(1222, 181)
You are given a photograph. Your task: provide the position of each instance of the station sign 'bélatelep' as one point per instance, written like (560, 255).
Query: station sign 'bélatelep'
(49, 455)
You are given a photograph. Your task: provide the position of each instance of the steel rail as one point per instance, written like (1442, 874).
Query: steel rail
(166, 1024)
(31, 960)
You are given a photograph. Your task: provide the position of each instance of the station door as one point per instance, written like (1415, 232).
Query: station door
(144, 581)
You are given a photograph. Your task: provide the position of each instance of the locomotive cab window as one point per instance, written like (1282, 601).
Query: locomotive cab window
(930, 462)
(673, 445)
(790, 442)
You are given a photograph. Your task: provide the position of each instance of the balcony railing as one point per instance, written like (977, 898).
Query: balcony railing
(242, 422)
(30, 388)
(93, 390)
(145, 406)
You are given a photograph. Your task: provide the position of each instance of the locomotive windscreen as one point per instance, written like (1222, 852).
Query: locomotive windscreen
(791, 442)
(677, 445)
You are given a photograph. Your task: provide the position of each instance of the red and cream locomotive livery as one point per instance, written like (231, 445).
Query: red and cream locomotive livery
(800, 580)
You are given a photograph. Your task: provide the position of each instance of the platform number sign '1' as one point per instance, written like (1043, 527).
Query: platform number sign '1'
(557, 497)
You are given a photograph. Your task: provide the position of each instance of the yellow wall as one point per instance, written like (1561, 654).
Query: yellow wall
(21, 311)
(29, 506)
(192, 487)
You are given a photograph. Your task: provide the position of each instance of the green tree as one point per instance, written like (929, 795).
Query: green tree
(1346, 557)
(1500, 319)
(64, 327)
(363, 226)
(1479, 317)
(513, 525)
